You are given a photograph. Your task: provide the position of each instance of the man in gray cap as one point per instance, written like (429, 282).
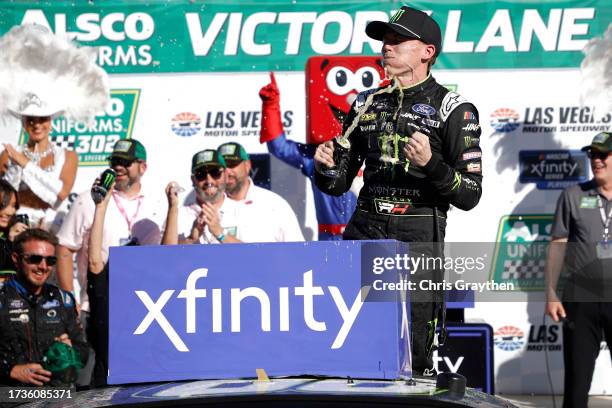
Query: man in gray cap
(583, 218)
(420, 143)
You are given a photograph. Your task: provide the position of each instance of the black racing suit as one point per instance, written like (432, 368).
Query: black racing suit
(400, 200)
(29, 324)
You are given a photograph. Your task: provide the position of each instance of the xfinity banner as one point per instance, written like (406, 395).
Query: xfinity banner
(222, 311)
(280, 35)
(553, 169)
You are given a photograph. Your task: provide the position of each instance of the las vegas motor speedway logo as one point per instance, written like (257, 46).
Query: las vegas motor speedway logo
(509, 338)
(541, 337)
(551, 119)
(505, 120)
(186, 124)
(224, 123)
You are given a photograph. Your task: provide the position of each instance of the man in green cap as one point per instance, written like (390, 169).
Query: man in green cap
(584, 219)
(266, 216)
(133, 216)
(208, 216)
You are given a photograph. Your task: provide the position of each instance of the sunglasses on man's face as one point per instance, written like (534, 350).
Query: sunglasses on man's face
(34, 259)
(594, 154)
(118, 161)
(215, 172)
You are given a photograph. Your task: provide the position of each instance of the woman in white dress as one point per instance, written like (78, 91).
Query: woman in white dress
(45, 76)
(40, 171)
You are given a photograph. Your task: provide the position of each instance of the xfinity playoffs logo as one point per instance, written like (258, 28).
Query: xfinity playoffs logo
(553, 169)
(308, 291)
(542, 168)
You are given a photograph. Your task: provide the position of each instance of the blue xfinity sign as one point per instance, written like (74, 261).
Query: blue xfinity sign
(222, 311)
(553, 169)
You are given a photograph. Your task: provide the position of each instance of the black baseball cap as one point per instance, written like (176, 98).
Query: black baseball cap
(233, 152)
(410, 23)
(130, 149)
(207, 158)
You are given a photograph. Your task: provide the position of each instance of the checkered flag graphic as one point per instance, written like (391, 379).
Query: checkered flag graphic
(66, 142)
(518, 269)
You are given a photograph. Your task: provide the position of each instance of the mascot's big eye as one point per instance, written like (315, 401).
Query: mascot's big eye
(366, 78)
(339, 80)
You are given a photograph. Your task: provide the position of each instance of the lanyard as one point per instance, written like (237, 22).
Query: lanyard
(130, 221)
(604, 219)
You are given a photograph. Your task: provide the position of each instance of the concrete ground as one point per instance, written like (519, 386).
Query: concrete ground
(545, 401)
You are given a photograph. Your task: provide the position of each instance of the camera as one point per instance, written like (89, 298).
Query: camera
(23, 218)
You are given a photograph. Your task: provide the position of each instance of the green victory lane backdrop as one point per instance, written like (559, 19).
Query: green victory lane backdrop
(235, 36)
(520, 250)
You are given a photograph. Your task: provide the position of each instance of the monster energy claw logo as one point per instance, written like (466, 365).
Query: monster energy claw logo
(456, 181)
(397, 15)
(108, 177)
(390, 149)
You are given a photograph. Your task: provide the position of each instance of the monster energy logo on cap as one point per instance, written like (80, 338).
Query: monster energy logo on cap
(397, 15)
(411, 24)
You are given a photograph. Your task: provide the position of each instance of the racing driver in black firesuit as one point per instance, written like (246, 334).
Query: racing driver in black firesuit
(34, 315)
(420, 143)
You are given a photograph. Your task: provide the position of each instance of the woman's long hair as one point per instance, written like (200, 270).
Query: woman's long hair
(6, 193)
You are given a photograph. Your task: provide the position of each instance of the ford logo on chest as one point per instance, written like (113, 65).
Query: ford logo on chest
(423, 109)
